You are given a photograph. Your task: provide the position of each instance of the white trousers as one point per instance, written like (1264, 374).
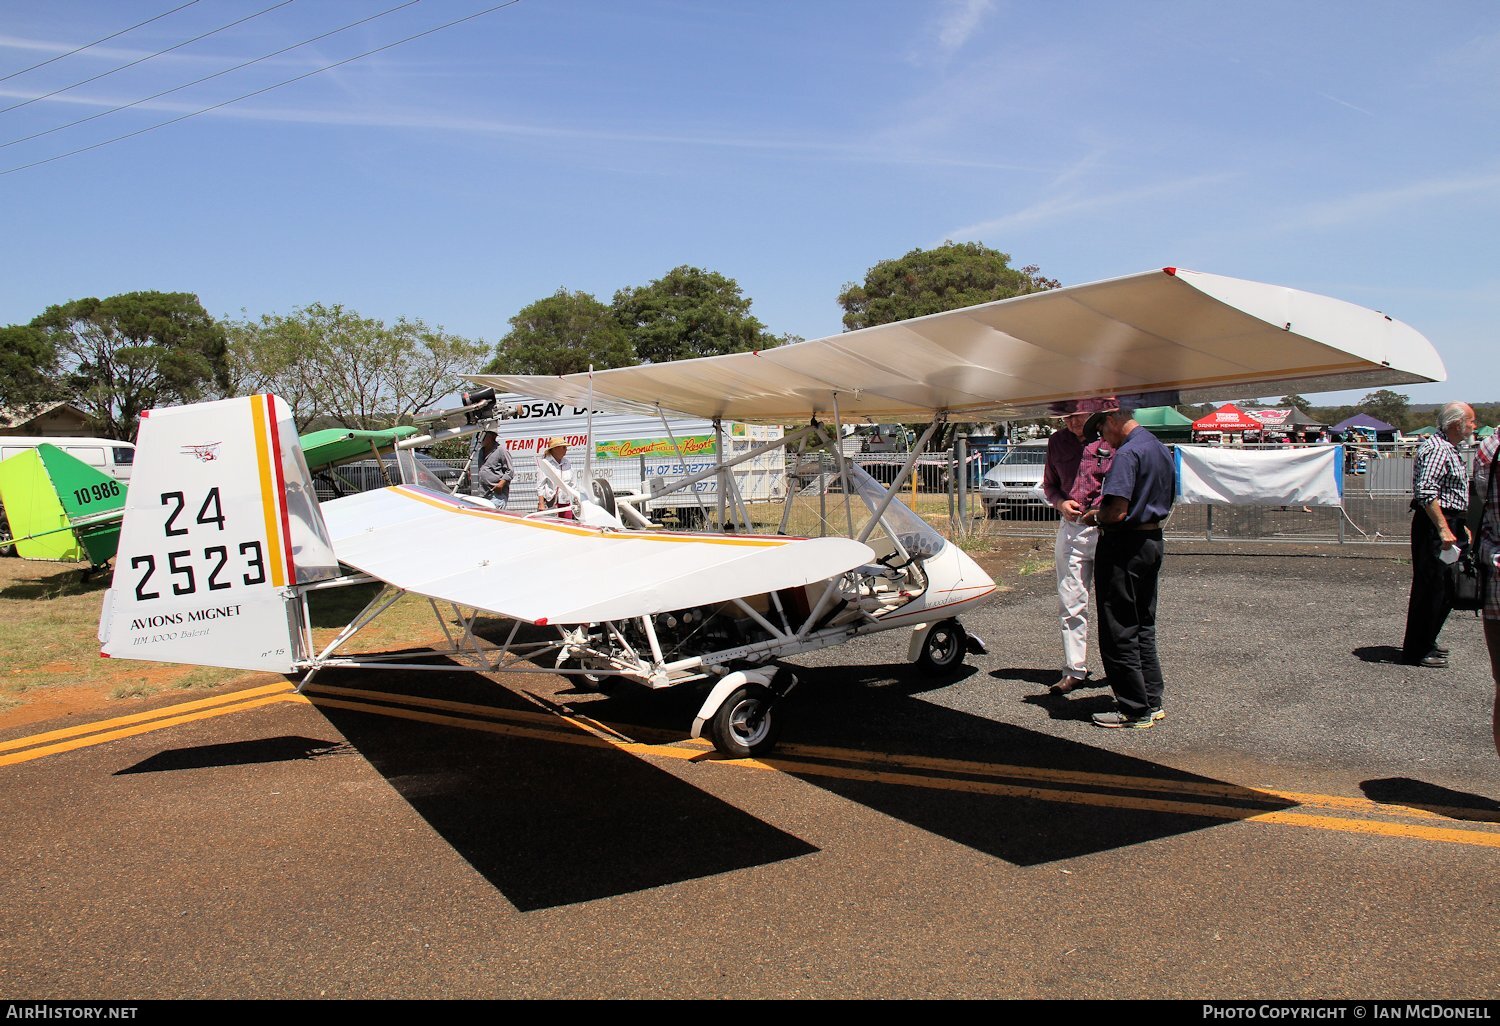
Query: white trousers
(1073, 556)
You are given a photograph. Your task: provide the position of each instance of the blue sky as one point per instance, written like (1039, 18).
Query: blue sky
(1345, 148)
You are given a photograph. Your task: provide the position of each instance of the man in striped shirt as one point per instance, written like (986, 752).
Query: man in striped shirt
(1440, 497)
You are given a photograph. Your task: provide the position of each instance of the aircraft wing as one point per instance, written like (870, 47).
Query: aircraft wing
(340, 445)
(1172, 335)
(551, 572)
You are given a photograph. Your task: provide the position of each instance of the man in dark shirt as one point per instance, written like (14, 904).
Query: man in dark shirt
(1137, 496)
(495, 471)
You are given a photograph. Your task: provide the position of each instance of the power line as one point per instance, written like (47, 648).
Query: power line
(205, 78)
(266, 89)
(141, 60)
(96, 42)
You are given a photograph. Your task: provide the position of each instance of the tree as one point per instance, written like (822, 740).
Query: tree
(268, 355)
(1387, 406)
(28, 366)
(564, 333)
(135, 351)
(326, 361)
(1297, 401)
(928, 281)
(689, 312)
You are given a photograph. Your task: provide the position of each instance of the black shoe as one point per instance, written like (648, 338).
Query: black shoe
(1436, 659)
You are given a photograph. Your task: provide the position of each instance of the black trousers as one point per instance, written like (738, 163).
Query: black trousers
(1431, 584)
(1127, 565)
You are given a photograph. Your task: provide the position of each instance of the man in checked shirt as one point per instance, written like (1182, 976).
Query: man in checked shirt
(1440, 490)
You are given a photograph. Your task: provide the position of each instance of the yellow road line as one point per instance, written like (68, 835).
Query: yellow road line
(171, 710)
(594, 738)
(490, 727)
(899, 771)
(1208, 789)
(142, 728)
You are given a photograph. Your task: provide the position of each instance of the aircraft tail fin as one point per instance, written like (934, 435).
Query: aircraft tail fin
(59, 507)
(221, 525)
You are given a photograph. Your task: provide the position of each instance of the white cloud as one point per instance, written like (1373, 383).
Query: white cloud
(425, 120)
(959, 21)
(1382, 202)
(1072, 203)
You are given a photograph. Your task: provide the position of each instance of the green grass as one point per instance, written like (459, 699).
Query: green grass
(50, 641)
(137, 690)
(1033, 564)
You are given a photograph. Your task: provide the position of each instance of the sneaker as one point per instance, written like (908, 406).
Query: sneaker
(1158, 714)
(1119, 719)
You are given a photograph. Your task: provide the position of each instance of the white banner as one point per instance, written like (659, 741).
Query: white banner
(1261, 477)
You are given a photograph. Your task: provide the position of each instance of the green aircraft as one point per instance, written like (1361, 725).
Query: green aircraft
(61, 509)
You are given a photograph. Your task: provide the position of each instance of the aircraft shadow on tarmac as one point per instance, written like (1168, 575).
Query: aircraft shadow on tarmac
(550, 824)
(1433, 798)
(856, 706)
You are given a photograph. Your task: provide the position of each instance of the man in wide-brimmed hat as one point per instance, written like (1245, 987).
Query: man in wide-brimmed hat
(548, 495)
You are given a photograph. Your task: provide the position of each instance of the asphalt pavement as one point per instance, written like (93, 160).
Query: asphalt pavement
(1312, 819)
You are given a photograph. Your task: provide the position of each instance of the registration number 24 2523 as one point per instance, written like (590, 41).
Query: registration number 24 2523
(207, 568)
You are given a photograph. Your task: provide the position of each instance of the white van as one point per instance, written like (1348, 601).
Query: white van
(113, 457)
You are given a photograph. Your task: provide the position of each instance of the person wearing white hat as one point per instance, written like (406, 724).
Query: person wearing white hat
(547, 493)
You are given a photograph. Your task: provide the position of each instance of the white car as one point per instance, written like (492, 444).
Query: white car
(1014, 485)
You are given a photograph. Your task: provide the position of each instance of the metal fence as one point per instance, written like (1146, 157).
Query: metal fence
(1377, 497)
(1377, 508)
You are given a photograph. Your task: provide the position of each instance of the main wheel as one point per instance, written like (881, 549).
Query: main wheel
(944, 647)
(595, 679)
(604, 494)
(744, 725)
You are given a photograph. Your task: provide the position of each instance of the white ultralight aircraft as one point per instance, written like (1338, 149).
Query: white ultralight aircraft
(218, 556)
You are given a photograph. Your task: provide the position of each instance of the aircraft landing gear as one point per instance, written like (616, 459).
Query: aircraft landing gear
(943, 645)
(739, 714)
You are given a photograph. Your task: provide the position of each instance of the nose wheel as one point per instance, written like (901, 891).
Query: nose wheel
(944, 646)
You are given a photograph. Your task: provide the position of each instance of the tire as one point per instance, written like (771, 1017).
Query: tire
(599, 681)
(745, 724)
(604, 495)
(944, 648)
